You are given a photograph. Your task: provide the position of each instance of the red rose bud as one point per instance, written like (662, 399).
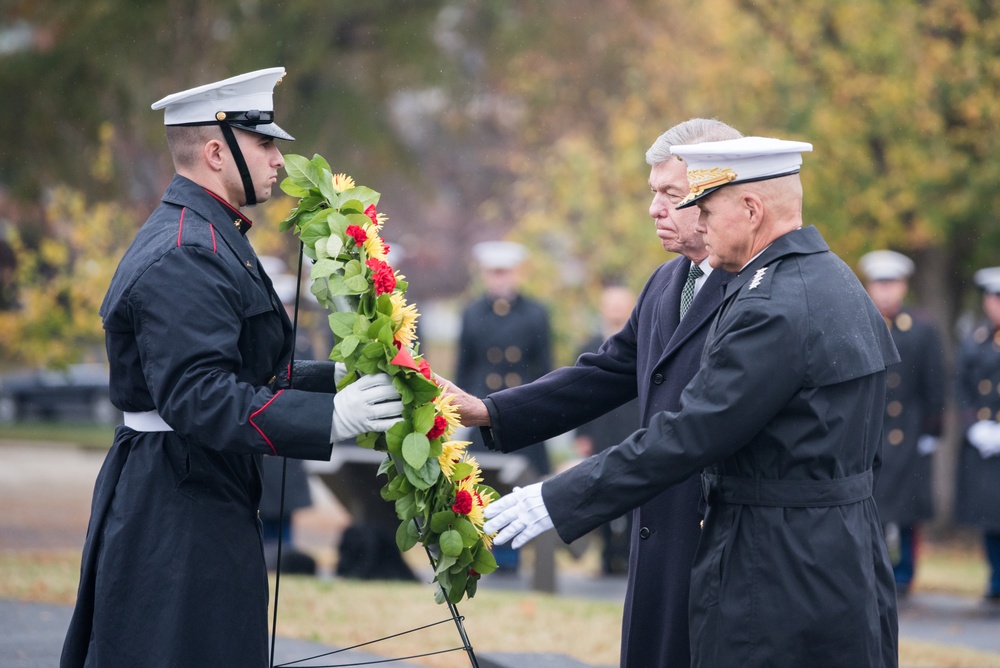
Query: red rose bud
(371, 213)
(440, 426)
(425, 369)
(360, 237)
(463, 502)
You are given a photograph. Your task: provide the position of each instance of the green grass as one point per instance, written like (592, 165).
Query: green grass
(70, 434)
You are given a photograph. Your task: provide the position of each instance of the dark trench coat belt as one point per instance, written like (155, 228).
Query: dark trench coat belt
(786, 493)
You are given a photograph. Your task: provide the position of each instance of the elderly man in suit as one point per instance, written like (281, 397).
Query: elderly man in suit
(653, 357)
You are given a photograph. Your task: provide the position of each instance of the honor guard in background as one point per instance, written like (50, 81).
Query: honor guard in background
(173, 570)
(978, 397)
(784, 421)
(913, 411)
(505, 342)
(505, 339)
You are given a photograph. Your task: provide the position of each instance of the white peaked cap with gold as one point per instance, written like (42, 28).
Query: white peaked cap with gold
(885, 265)
(244, 101)
(713, 165)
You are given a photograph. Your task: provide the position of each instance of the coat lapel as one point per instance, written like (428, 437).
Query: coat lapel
(703, 308)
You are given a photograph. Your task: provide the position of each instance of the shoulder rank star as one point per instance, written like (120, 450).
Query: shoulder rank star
(757, 278)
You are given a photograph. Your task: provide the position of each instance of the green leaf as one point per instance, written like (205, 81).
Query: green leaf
(387, 466)
(289, 187)
(323, 268)
(458, 581)
(442, 520)
(423, 418)
(394, 437)
(298, 170)
(462, 470)
(342, 324)
(467, 530)
(349, 344)
(426, 476)
(406, 535)
(444, 563)
(406, 507)
(416, 447)
(451, 543)
(357, 284)
(483, 561)
(334, 245)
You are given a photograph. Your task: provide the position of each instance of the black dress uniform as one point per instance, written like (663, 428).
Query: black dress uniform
(174, 551)
(786, 414)
(653, 358)
(913, 409)
(977, 502)
(504, 343)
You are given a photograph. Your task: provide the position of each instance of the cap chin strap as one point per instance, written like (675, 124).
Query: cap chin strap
(241, 163)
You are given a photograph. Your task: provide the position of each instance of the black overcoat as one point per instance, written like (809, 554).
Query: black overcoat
(652, 357)
(786, 413)
(977, 392)
(914, 405)
(504, 343)
(173, 570)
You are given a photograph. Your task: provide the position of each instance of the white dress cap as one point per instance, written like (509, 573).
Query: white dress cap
(712, 165)
(988, 279)
(244, 101)
(885, 265)
(499, 254)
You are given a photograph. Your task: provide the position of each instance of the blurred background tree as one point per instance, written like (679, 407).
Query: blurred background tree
(529, 119)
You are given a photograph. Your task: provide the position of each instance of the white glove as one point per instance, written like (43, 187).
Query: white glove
(339, 371)
(520, 515)
(371, 403)
(985, 437)
(926, 444)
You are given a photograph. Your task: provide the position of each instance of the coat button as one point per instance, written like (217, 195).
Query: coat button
(644, 533)
(658, 379)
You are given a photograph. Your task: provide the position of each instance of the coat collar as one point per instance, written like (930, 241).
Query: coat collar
(803, 241)
(182, 191)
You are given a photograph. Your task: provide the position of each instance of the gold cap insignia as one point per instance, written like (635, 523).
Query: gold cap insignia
(701, 180)
(220, 116)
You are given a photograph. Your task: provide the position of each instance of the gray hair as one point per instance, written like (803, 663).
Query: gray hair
(693, 131)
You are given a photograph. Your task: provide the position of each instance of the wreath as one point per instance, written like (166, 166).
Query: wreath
(436, 486)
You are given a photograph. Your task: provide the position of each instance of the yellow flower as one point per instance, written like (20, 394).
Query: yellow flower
(404, 319)
(451, 454)
(447, 409)
(479, 503)
(380, 219)
(342, 182)
(374, 245)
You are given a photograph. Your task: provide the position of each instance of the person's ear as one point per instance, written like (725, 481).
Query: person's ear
(753, 207)
(213, 153)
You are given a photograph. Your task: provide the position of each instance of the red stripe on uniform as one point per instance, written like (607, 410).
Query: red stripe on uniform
(212, 229)
(180, 227)
(259, 430)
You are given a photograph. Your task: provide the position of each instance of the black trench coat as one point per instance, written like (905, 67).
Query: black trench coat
(653, 356)
(786, 414)
(173, 570)
(977, 501)
(914, 407)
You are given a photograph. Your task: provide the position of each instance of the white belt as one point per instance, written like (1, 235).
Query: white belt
(146, 421)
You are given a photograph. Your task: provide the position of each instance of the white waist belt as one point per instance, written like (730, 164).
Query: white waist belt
(146, 421)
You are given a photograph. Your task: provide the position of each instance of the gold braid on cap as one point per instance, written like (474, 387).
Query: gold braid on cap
(701, 180)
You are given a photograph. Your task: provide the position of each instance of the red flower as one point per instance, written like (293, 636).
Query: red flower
(425, 369)
(371, 213)
(382, 276)
(440, 426)
(463, 502)
(360, 236)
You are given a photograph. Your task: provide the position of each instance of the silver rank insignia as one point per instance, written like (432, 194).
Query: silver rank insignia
(757, 278)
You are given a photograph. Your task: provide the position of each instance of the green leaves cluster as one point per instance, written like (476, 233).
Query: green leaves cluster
(365, 333)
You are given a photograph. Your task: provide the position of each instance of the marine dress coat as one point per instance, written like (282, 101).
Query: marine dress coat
(652, 357)
(786, 415)
(977, 393)
(173, 570)
(914, 406)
